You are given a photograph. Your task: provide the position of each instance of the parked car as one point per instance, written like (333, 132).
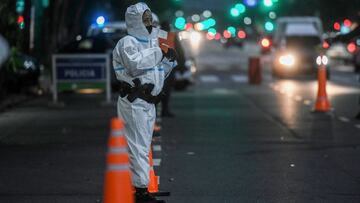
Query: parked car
(234, 41)
(99, 40)
(19, 73)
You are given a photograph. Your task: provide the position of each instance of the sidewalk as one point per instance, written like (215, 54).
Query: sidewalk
(12, 100)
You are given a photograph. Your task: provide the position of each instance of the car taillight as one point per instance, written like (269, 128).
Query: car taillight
(326, 45)
(351, 47)
(265, 43)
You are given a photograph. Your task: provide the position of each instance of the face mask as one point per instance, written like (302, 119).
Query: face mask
(149, 28)
(147, 20)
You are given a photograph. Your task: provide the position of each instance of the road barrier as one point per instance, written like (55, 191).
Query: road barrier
(117, 185)
(322, 103)
(254, 71)
(81, 72)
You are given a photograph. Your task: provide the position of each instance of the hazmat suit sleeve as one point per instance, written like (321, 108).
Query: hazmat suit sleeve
(168, 66)
(137, 61)
(4, 50)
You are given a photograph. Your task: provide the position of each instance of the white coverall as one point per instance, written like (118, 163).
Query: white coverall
(138, 56)
(4, 50)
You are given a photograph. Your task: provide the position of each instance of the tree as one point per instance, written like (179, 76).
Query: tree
(8, 24)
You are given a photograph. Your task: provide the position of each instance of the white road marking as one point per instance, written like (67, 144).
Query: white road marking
(307, 102)
(209, 78)
(298, 98)
(239, 78)
(344, 119)
(357, 126)
(156, 148)
(223, 91)
(157, 162)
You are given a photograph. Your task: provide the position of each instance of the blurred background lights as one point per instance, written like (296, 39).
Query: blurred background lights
(241, 34)
(269, 26)
(268, 3)
(272, 15)
(195, 18)
(240, 7)
(207, 14)
(100, 20)
(247, 21)
(179, 13)
(250, 3)
(234, 12)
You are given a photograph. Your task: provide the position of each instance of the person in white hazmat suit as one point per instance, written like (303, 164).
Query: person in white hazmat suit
(141, 67)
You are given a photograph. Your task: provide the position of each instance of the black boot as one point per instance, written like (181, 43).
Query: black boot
(142, 195)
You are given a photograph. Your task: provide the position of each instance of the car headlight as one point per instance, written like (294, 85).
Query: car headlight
(287, 60)
(195, 37)
(322, 60)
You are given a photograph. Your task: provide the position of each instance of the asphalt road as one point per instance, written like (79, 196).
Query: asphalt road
(230, 142)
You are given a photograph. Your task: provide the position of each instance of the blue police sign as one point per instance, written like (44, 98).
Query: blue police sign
(80, 73)
(81, 70)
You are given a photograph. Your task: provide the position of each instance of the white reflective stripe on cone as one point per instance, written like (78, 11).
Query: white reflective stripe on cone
(117, 133)
(118, 150)
(118, 167)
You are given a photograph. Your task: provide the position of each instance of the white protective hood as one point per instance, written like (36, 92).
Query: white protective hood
(134, 23)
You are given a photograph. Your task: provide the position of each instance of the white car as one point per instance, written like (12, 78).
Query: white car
(296, 46)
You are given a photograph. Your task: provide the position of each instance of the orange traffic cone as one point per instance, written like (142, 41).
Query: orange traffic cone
(118, 186)
(322, 103)
(153, 186)
(157, 128)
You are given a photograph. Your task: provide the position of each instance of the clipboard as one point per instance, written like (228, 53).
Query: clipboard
(166, 40)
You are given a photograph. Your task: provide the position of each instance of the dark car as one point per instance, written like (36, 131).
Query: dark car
(20, 73)
(234, 41)
(99, 40)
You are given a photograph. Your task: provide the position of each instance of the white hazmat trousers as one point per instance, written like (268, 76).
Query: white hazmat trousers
(138, 56)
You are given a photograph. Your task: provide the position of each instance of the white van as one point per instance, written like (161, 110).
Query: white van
(297, 42)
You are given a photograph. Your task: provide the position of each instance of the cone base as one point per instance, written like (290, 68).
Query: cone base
(322, 107)
(160, 193)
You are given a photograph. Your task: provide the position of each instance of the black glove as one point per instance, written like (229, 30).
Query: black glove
(171, 54)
